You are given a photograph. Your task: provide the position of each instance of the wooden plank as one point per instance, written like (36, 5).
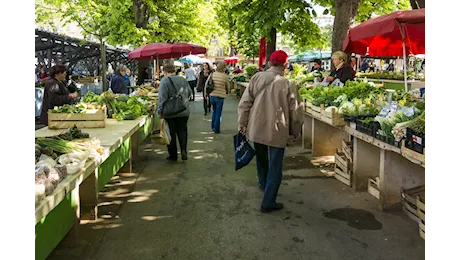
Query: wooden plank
(411, 215)
(328, 173)
(341, 161)
(339, 177)
(79, 124)
(420, 204)
(422, 234)
(317, 161)
(342, 173)
(347, 151)
(410, 195)
(373, 189)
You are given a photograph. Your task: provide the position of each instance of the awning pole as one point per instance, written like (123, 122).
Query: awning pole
(405, 66)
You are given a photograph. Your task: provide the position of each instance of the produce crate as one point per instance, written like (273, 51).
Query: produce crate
(373, 188)
(409, 201)
(415, 141)
(93, 118)
(342, 168)
(347, 149)
(409, 153)
(333, 118)
(421, 214)
(388, 140)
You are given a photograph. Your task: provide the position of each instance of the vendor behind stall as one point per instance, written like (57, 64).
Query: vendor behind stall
(56, 92)
(342, 69)
(316, 65)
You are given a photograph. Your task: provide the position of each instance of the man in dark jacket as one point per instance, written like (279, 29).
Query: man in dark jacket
(118, 84)
(56, 92)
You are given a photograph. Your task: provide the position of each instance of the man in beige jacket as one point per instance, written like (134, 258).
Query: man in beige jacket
(269, 110)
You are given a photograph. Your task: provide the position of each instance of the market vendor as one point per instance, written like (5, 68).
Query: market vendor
(342, 69)
(118, 84)
(316, 65)
(56, 92)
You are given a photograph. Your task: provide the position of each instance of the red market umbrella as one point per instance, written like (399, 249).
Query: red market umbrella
(389, 35)
(182, 49)
(231, 60)
(151, 50)
(158, 50)
(384, 36)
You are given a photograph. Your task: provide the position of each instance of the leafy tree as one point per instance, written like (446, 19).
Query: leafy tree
(347, 12)
(290, 17)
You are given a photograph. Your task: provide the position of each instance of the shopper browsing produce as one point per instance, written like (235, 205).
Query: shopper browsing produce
(118, 84)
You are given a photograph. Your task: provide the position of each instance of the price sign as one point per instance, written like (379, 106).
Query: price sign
(394, 105)
(408, 111)
(384, 112)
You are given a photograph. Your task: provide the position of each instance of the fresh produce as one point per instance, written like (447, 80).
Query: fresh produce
(57, 145)
(72, 133)
(72, 109)
(240, 77)
(251, 70)
(92, 98)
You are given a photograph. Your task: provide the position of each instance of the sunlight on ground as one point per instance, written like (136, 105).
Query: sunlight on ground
(207, 133)
(209, 155)
(107, 226)
(152, 218)
(85, 221)
(108, 203)
(139, 199)
(195, 151)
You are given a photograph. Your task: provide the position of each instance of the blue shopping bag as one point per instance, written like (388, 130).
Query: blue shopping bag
(243, 151)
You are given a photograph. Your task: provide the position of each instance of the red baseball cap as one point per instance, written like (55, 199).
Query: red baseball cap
(278, 57)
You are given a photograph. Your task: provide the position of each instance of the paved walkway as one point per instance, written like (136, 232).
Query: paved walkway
(203, 210)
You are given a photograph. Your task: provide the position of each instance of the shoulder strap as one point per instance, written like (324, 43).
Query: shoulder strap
(172, 83)
(264, 87)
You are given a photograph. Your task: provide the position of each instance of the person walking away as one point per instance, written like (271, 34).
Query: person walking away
(269, 110)
(217, 96)
(342, 69)
(204, 74)
(170, 85)
(118, 84)
(191, 79)
(56, 92)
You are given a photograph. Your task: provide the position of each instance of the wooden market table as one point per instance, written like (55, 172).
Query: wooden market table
(371, 158)
(76, 195)
(242, 86)
(398, 84)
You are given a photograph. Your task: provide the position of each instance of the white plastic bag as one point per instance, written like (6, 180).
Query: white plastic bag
(45, 160)
(73, 161)
(165, 133)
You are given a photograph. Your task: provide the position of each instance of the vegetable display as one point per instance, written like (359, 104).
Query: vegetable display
(72, 109)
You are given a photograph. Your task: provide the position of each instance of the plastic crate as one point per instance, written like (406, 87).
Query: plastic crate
(369, 129)
(415, 141)
(388, 140)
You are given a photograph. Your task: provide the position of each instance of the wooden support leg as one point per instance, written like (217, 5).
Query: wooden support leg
(366, 163)
(307, 131)
(397, 173)
(326, 139)
(127, 168)
(89, 197)
(135, 148)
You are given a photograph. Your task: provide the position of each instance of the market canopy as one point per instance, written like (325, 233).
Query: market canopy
(384, 35)
(309, 56)
(231, 60)
(192, 59)
(159, 50)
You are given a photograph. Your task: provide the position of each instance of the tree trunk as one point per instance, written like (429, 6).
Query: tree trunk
(141, 13)
(271, 44)
(345, 13)
(417, 4)
(105, 83)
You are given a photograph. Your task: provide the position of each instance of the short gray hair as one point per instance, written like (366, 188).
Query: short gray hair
(121, 68)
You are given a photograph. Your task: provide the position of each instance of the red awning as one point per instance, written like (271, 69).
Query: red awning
(262, 52)
(165, 51)
(382, 35)
(231, 60)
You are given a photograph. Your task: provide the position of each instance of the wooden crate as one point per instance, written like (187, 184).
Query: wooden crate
(347, 150)
(93, 118)
(420, 201)
(409, 201)
(333, 118)
(373, 188)
(342, 168)
(412, 155)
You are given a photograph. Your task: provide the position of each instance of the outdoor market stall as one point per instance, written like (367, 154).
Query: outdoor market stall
(374, 137)
(87, 162)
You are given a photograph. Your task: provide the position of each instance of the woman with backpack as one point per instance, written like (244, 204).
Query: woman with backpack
(217, 93)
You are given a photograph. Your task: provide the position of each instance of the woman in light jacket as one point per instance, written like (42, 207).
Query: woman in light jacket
(217, 96)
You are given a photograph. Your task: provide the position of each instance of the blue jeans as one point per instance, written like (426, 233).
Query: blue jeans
(270, 172)
(217, 104)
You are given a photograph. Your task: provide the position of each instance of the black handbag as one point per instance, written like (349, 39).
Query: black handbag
(210, 85)
(174, 104)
